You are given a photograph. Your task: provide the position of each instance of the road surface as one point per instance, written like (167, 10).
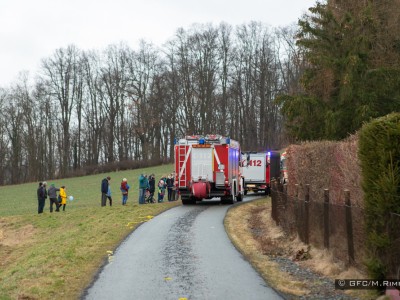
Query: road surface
(183, 253)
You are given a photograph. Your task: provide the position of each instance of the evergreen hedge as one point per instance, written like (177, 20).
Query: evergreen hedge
(379, 153)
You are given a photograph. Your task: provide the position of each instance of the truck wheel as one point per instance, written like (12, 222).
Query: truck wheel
(188, 201)
(267, 191)
(239, 197)
(227, 200)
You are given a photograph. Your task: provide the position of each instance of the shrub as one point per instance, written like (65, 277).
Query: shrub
(379, 153)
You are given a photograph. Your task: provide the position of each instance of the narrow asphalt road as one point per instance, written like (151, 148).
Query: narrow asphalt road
(183, 253)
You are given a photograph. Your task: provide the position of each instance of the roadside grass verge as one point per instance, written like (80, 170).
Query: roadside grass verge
(55, 255)
(241, 234)
(254, 233)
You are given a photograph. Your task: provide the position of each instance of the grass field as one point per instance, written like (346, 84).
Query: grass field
(55, 255)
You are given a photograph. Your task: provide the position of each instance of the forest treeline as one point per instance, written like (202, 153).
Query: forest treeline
(263, 86)
(89, 108)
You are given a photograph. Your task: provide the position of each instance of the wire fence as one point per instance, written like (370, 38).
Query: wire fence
(337, 227)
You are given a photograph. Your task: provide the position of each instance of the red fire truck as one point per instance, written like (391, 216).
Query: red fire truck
(256, 171)
(207, 167)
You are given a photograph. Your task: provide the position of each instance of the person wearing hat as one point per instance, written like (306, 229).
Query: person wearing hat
(53, 197)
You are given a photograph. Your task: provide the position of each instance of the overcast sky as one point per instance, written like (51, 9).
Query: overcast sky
(33, 29)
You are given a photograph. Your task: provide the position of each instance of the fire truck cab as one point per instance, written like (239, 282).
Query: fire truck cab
(207, 167)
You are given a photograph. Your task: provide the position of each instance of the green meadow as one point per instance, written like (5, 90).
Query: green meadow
(55, 255)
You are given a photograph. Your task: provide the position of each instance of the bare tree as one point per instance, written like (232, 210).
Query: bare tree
(225, 61)
(93, 111)
(60, 72)
(143, 69)
(13, 113)
(114, 72)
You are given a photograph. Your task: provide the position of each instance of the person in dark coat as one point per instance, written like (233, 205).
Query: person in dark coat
(41, 195)
(152, 187)
(53, 197)
(170, 187)
(104, 190)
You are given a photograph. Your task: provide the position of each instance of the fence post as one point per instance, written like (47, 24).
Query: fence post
(306, 214)
(285, 196)
(349, 226)
(326, 218)
(273, 198)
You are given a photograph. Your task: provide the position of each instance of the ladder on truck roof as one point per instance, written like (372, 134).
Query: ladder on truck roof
(183, 156)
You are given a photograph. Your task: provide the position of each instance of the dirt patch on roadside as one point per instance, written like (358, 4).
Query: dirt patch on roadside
(296, 270)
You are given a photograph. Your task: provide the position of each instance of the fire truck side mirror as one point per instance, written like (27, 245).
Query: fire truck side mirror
(221, 167)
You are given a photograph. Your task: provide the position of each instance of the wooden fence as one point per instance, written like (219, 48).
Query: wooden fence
(337, 227)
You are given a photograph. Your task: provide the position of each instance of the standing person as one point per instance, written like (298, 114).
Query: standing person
(152, 187)
(63, 196)
(124, 190)
(104, 190)
(161, 190)
(170, 186)
(45, 190)
(41, 197)
(143, 185)
(53, 197)
(109, 194)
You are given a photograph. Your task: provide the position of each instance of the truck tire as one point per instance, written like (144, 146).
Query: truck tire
(267, 191)
(232, 198)
(188, 201)
(241, 194)
(227, 200)
(239, 197)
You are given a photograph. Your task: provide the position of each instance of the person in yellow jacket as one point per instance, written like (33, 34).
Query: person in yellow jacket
(63, 196)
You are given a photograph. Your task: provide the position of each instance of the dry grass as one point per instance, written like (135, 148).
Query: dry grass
(237, 223)
(257, 237)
